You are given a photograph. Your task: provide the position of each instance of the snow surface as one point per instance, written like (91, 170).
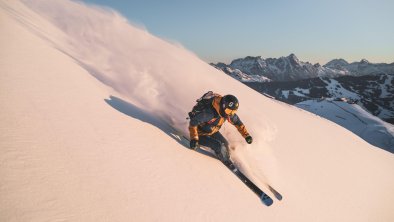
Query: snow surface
(339, 91)
(92, 115)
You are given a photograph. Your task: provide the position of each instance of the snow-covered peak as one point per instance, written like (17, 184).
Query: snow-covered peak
(279, 69)
(249, 61)
(364, 61)
(335, 63)
(293, 59)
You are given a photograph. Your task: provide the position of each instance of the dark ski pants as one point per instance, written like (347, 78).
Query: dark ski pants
(217, 143)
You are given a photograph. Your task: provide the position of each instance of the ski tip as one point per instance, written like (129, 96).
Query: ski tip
(278, 196)
(276, 193)
(266, 200)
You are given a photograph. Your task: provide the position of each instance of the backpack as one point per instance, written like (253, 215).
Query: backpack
(203, 103)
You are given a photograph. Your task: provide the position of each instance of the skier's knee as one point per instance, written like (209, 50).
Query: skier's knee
(223, 153)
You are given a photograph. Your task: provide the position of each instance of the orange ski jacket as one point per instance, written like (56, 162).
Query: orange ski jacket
(210, 120)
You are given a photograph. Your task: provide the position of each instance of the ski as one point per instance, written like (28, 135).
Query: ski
(276, 193)
(267, 200)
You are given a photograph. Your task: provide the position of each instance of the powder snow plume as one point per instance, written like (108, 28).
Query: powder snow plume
(159, 77)
(128, 59)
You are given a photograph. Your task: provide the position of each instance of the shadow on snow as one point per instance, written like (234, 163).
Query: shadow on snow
(137, 113)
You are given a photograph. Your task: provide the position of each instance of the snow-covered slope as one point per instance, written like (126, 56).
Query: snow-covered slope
(88, 107)
(375, 93)
(355, 119)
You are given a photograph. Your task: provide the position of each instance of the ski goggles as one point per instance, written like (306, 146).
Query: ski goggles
(230, 112)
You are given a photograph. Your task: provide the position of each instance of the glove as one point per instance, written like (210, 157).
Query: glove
(249, 139)
(194, 144)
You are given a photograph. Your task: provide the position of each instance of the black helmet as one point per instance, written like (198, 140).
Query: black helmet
(229, 105)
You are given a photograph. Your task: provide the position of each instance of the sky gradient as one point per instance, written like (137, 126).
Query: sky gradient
(316, 31)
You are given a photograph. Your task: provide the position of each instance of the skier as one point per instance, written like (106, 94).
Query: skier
(206, 118)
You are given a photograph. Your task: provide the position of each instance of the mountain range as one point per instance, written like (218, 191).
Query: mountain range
(292, 81)
(290, 68)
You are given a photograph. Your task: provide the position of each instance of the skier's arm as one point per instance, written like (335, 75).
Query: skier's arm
(197, 120)
(236, 121)
(193, 132)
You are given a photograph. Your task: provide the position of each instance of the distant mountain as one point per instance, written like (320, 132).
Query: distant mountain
(290, 68)
(375, 93)
(337, 64)
(364, 67)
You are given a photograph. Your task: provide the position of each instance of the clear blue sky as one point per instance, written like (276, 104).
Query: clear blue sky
(316, 31)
